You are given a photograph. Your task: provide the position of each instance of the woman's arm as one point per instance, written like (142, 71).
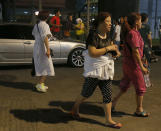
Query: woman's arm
(93, 52)
(136, 55)
(47, 46)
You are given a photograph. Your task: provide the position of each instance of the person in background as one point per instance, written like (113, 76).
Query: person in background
(68, 26)
(117, 32)
(133, 68)
(41, 51)
(146, 35)
(160, 33)
(122, 21)
(79, 29)
(99, 67)
(56, 25)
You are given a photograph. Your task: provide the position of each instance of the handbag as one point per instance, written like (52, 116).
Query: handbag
(33, 73)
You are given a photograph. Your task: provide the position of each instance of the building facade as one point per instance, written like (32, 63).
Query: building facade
(23, 11)
(152, 8)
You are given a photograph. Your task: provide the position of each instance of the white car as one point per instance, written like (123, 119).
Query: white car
(16, 47)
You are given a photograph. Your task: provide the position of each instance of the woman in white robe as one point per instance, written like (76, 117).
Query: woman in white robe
(41, 52)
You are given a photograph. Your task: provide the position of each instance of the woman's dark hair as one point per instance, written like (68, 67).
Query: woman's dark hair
(100, 18)
(57, 10)
(69, 16)
(43, 15)
(144, 16)
(117, 21)
(129, 23)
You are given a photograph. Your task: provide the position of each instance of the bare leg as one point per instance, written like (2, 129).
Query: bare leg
(107, 110)
(42, 79)
(139, 102)
(78, 101)
(108, 117)
(115, 100)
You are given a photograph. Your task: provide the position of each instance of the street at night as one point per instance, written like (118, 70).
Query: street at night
(24, 109)
(91, 43)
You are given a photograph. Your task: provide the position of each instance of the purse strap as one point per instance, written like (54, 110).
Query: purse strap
(39, 31)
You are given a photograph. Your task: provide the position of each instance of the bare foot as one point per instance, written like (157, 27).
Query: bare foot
(113, 124)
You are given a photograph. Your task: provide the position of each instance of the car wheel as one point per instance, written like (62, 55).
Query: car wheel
(75, 58)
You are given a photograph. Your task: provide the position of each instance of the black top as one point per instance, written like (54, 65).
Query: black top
(68, 25)
(94, 40)
(144, 31)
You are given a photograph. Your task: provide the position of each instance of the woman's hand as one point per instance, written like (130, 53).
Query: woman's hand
(118, 53)
(111, 47)
(144, 70)
(48, 53)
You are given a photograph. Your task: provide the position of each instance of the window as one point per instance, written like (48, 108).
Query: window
(26, 32)
(16, 32)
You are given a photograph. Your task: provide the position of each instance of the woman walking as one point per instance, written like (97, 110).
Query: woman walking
(99, 67)
(41, 52)
(133, 68)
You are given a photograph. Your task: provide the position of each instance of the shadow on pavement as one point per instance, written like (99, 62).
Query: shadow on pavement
(22, 67)
(120, 114)
(85, 108)
(89, 108)
(15, 67)
(48, 116)
(8, 81)
(18, 85)
(116, 82)
(7, 78)
(158, 52)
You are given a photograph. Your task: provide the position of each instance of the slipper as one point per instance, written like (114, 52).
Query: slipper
(75, 116)
(116, 126)
(141, 114)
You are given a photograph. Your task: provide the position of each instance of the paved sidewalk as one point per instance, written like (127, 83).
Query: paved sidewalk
(24, 109)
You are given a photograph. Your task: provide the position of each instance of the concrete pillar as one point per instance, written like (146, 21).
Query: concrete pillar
(33, 13)
(88, 15)
(156, 15)
(14, 10)
(40, 5)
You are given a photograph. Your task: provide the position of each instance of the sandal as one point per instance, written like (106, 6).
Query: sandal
(141, 114)
(75, 116)
(116, 126)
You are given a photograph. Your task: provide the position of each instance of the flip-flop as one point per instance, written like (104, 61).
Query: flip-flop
(75, 116)
(116, 126)
(141, 114)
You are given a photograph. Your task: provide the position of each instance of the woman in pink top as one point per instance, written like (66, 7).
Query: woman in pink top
(133, 68)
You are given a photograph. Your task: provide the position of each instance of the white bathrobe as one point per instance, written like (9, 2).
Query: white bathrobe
(101, 67)
(43, 64)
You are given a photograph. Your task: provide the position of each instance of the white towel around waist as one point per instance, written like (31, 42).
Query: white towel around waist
(101, 67)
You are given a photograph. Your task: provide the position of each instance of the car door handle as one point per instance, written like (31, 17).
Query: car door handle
(28, 42)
